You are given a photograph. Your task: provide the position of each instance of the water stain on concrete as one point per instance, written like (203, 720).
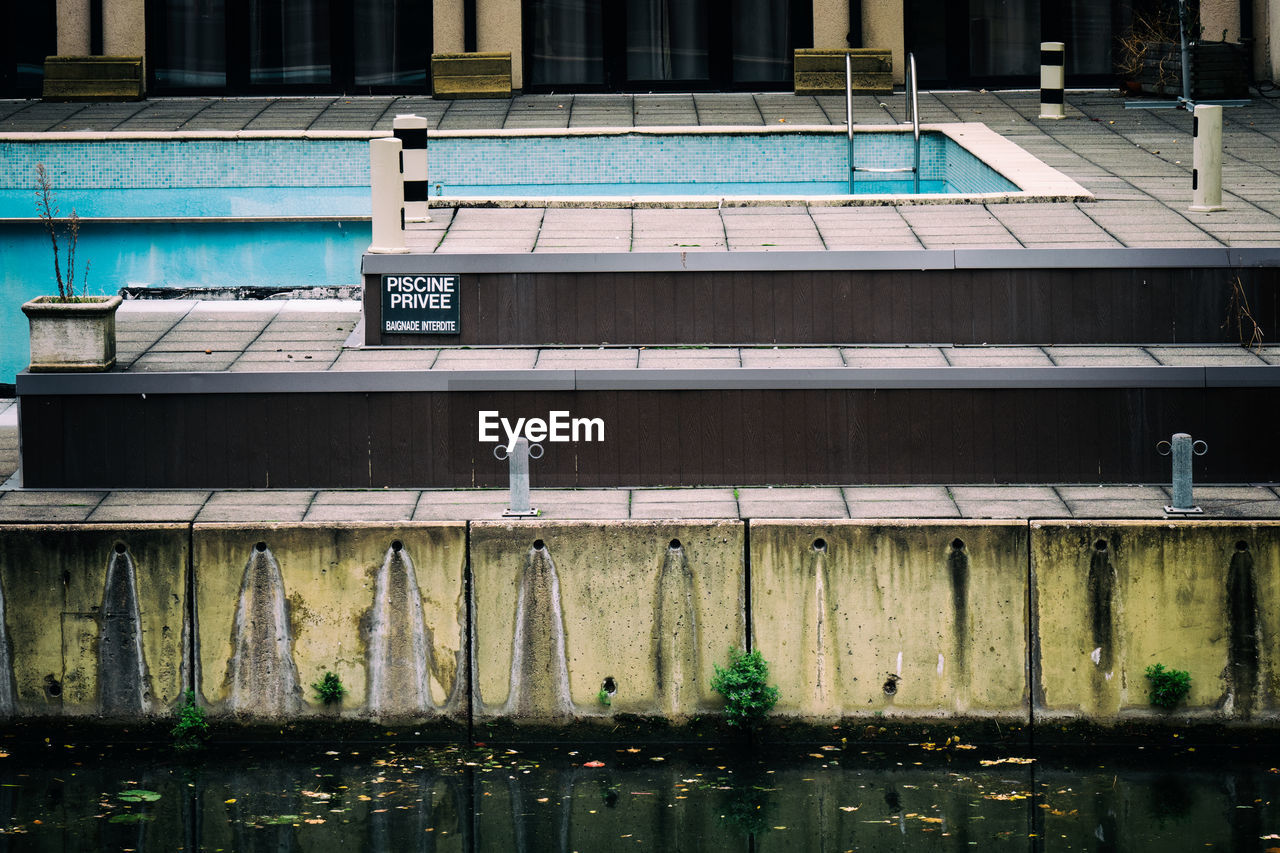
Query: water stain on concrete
(121, 669)
(8, 688)
(539, 669)
(958, 569)
(819, 642)
(1100, 587)
(1242, 615)
(262, 676)
(400, 649)
(675, 653)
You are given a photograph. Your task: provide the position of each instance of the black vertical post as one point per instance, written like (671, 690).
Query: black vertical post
(469, 26)
(855, 23)
(95, 27)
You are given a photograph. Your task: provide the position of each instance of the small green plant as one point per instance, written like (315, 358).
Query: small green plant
(604, 698)
(329, 688)
(1168, 686)
(744, 685)
(191, 729)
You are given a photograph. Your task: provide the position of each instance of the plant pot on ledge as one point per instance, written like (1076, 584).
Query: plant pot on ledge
(72, 336)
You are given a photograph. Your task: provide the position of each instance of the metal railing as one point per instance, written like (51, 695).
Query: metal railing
(913, 108)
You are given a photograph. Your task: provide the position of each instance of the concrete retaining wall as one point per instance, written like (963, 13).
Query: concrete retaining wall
(564, 611)
(1031, 622)
(910, 618)
(1115, 598)
(93, 619)
(279, 605)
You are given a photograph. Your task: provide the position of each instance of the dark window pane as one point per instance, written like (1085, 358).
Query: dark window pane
(667, 40)
(194, 52)
(567, 42)
(761, 41)
(288, 41)
(392, 42)
(30, 38)
(1004, 38)
(1088, 37)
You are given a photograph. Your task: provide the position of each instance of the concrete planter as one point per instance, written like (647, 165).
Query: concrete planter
(68, 336)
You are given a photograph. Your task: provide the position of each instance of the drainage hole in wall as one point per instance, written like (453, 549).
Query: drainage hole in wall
(674, 544)
(957, 544)
(397, 545)
(609, 686)
(52, 688)
(1100, 545)
(891, 685)
(121, 547)
(538, 544)
(819, 544)
(260, 547)
(1242, 545)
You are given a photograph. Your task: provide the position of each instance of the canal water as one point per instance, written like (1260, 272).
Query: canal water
(348, 796)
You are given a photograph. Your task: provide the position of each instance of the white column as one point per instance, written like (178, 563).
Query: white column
(1206, 158)
(388, 197)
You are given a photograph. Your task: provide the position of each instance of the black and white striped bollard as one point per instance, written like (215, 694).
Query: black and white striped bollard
(1053, 79)
(411, 130)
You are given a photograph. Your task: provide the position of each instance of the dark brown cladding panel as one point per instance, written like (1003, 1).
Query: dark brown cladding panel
(717, 437)
(1014, 306)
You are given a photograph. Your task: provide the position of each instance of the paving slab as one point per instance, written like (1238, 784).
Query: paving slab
(1009, 502)
(256, 505)
(372, 505)
(141, 506)
(683, 503)
(787, 502)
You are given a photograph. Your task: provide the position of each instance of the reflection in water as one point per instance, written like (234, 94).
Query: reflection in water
(405, 797)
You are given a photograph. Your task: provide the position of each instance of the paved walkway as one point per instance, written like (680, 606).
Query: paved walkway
(155, 336)
(809, 502)
(1137, 163)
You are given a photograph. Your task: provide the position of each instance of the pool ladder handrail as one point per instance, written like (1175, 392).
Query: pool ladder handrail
(913, 108)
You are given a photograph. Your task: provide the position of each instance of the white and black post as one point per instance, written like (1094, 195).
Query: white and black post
(1206, 158)
(388, 196)
(411, 130)
(1053, 79)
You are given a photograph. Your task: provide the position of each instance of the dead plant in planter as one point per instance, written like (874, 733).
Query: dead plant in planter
(51, 218)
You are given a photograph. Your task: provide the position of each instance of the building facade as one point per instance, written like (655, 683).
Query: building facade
(243, 47)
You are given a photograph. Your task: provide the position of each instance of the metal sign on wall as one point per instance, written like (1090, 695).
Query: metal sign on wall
(420, 304)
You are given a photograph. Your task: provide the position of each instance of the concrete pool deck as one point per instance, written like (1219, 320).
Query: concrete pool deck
(1137, 164)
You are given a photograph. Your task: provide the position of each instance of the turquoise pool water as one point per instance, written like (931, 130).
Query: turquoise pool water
(173, 254)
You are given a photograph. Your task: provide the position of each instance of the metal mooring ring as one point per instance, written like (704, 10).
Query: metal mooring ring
(537, 455)
(500, 452)
(1164, 448)
(1199, 448)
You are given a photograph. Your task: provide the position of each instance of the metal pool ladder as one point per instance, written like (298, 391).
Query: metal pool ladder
(913, 107)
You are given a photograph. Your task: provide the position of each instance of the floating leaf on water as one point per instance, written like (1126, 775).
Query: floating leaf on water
(849, 808)
(132, 817)
(593, 764)
(278, 820)
(230, 801)
(991, 762)
(137, 795)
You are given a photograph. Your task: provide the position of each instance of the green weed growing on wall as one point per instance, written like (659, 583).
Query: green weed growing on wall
(748, 698)
(1168, 686)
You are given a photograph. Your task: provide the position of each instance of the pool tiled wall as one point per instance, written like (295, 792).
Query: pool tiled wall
(459, 162)
(162, 164)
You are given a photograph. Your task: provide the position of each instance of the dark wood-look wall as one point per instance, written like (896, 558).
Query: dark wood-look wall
(720, 437)
(898, 306)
